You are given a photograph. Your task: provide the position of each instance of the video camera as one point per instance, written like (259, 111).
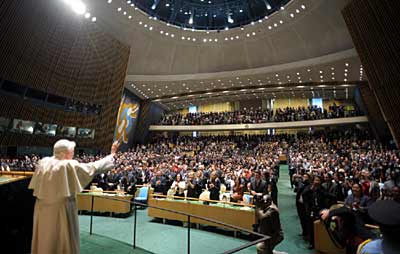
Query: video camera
(261, 201)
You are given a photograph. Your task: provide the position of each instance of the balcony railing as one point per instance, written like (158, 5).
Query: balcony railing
(261, 126)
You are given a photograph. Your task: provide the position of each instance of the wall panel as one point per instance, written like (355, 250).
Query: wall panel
(373, 26)
(45, 46)
(377, 122)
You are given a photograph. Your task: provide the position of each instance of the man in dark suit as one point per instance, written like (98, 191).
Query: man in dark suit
(315, 199)
(258, 185)
(158, 182)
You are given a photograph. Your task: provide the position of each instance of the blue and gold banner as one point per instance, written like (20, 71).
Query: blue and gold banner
(127, 119)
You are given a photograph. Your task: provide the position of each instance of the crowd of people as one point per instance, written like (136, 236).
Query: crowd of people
(209, 118)
(26, 163)
(325, 168)
(82, 107)
(191, 165)
(287, 114)
(348, 168)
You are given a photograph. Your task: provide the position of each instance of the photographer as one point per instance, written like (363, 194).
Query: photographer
(268, 223)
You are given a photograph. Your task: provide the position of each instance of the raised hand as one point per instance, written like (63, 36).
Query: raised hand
(114, 147)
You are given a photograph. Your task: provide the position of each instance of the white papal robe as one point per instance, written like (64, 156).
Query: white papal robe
(55, 184)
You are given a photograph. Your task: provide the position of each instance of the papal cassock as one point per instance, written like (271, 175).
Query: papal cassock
(55, 184)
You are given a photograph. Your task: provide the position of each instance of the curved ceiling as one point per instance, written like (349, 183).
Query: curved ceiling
(314, 31)
(209, 14)
(289, 41)
(330, 76)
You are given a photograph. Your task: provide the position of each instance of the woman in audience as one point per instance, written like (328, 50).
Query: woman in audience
(237, 194)
(357, 201)
(178, 186)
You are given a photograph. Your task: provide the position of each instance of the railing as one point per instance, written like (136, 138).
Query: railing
(202, 199)
(262, 238)
(17, 173)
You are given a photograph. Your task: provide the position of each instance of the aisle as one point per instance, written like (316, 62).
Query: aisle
(293, 244)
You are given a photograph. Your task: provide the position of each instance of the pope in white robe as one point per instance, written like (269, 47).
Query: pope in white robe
(55, 183)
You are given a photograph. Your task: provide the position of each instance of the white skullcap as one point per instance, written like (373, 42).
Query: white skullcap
(61, 147)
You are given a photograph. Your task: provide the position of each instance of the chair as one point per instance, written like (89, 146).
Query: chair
(143, 195)
(247, 198)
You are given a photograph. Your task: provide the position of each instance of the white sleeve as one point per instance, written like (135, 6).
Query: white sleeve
(81, 174)
(105, 164)
(55, 179)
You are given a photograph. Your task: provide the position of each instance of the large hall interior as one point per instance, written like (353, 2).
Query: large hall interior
(200, 126)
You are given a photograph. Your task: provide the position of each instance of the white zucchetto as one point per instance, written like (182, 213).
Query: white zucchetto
(62, 147)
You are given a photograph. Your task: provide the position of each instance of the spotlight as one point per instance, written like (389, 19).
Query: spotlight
(77, 6)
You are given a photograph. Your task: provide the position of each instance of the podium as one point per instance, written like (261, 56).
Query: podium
(16, 213)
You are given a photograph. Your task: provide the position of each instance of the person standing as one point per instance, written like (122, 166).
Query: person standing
(268, 221)
(257, 185)
(315, 199)
(55, 183)
(214, 186)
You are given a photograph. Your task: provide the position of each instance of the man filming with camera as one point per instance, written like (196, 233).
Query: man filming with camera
(267, 223)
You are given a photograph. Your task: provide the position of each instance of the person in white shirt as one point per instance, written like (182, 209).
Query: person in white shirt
(55, 183)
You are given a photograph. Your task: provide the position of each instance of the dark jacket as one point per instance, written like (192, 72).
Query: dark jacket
(259, 187)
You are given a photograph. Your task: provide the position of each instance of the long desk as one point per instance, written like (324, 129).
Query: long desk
(226, 213)
(101, 204)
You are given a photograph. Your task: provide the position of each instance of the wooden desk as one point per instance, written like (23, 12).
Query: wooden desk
(323, 243)
(282, 157)
(225, 213)
(84, 201)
